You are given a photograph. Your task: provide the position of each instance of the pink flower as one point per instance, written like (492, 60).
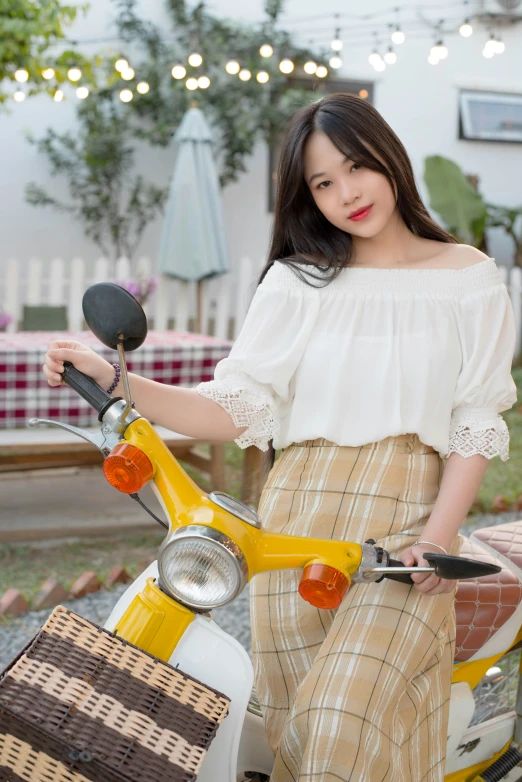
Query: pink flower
(142, 289)
(5, 319)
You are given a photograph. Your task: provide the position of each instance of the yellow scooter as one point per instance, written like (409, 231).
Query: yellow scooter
(214, 544)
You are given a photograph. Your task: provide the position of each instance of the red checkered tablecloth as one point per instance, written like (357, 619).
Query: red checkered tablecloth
(173, 357)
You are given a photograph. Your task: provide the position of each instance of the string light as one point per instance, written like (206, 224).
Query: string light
(48, 73)
(490, 47)
(126, 96)
(466, 29)
(433, 59)
(58, 96)
(321, 71)
(203, 82)
(245, 74)
(363, 93)
(232, 67)
(82, 93)
(380, 65)
(335, 62)
(195, 59)
(127, 74)
(500, 46)
(310, 67)
(390, 57)
(19, 96)
(439, 51)
(374, 57)
(266, 50)
(121, 64)
(21, 75)
(337, 44)
(286, 65)
(179, 72)
(398, 36)
(142, 87)
(191, 84)
(262, 77)
(74, 74)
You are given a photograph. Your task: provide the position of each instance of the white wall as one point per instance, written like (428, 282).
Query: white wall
(417, 99)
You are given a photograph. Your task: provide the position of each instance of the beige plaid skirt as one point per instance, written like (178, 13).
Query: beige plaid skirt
(360, 693)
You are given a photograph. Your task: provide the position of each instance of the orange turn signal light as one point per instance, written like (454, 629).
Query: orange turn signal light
(127, 468)
(323, 586)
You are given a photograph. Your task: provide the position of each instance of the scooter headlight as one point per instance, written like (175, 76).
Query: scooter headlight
(201, 567)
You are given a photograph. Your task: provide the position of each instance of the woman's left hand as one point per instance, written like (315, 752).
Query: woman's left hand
(426, 583)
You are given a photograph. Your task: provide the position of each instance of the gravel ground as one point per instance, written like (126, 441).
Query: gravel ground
(234, 618)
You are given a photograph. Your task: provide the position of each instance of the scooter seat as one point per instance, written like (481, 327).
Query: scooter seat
(489, 608)
(506, 539)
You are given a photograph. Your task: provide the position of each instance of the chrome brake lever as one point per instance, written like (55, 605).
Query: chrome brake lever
(104, 441)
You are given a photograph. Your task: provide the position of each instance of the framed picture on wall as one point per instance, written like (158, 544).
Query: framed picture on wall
(317, 90)
(490, 116)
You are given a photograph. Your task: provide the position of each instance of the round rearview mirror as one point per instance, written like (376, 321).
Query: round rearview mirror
(113, 315)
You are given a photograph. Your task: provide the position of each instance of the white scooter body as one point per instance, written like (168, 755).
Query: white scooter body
(213, 657)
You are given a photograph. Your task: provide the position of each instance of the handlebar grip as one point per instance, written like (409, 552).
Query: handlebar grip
(87, 388)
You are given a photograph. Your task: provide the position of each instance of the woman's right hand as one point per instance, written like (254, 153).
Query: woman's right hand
(81, 357)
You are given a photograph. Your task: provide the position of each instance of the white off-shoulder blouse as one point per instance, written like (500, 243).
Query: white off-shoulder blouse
(376, 353)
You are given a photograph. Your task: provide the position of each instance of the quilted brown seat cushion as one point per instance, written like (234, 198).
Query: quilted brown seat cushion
(483, 604)
(506, 539)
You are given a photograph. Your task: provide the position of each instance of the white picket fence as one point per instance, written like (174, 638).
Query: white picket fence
(225, 298)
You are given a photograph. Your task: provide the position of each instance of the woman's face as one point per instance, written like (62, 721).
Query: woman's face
(341, 189)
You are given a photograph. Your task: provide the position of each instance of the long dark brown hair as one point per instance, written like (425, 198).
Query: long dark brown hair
(301, 235)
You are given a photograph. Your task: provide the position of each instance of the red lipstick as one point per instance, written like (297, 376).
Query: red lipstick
(360, 214)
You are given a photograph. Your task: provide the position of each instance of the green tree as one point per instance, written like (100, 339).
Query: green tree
(28, 31)
(113, 204)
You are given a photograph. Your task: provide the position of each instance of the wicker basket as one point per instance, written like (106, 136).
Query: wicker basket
(81, 704)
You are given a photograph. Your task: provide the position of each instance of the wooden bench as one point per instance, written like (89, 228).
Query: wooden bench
(47, 447)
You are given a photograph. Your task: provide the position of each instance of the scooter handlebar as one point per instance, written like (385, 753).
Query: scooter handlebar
(88, 389)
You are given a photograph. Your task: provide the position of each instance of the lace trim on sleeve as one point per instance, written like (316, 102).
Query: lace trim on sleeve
(478, 430)
(249, 404)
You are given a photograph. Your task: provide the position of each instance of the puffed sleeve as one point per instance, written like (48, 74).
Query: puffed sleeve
(254, 379)
(485, 386)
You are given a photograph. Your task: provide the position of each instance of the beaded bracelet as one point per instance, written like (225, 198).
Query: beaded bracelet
(117, 369)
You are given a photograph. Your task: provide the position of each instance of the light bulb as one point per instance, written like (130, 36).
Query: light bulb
(337, 44)
(142, 87)
(19, 96)
(491, 44)
(82, 93)
(58, 96)
(203, 82)
(380, 66)
(232, 67)
(390, 57)
(310, 67)
(488, 53)
(121, 64)
(266, 50)
(74, 74)
(433, 59)
(179, 72)
(191, 84)
(501, 47)
(286, 66)
(48, 73)
(262, 77)
(126, 96)
(363, 93)
(127, 74)
(335, 62)
(374, 57)
(321, 71)
(245, 74)
(439, 51)
(21, 75)
(195, 59)
(465, 29)
(398, 36)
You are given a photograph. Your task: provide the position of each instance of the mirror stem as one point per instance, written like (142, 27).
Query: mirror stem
(125, 379)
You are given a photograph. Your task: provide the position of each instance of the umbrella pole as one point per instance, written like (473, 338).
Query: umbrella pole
(199, 306)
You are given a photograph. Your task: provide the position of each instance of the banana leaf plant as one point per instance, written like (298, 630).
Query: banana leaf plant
(463, 210)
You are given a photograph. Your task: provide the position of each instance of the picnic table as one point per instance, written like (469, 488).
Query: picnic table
(172, 357)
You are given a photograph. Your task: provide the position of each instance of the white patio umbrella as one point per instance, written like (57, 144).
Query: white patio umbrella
(193, 242)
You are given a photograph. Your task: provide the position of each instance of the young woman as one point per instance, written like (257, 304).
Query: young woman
(375, 348)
